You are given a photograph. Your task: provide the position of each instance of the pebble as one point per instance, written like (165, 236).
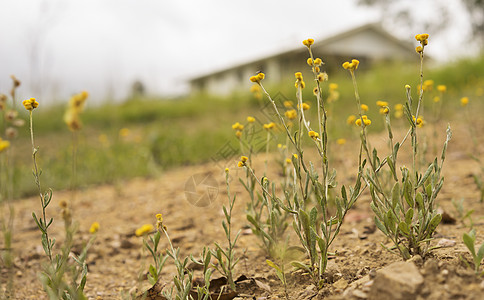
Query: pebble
(398, 281)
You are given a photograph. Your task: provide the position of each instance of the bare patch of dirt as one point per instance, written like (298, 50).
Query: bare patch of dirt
(117, 259)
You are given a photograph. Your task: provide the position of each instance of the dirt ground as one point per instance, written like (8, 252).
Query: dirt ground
(117, 257)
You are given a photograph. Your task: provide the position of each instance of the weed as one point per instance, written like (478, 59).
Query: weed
(469, 240)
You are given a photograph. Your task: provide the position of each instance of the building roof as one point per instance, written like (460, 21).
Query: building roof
(324, 45)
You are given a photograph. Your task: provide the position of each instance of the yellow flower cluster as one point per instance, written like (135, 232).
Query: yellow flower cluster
(4, 144)
(423, 39)
(288, 104)
(398, 111)
(441, 88)
(291, 114)
(269, 126)
(30, 104)
(351, 120)
(419, 121)
(238, 129)
(464, 101)
(257, 78)
(308, 42)
(382, 103)
(322, 77)
(159, 217)
(313, 134)
(94, 228)
(364, 107)
(250, 119)
(351, 66)
(305, 106)
(341, 141)
(143, 230)
(256, 91)
(333, 92)
(366, 121)
(299, 80)
(75, 108)
(243, 161)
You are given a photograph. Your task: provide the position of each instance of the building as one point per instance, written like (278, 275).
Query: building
(369, 43)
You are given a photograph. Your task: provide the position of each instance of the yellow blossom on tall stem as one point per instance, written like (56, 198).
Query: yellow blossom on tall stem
(464, 101)
(94, 228)
(30, 104)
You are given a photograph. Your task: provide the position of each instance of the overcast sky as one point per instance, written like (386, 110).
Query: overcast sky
(102, 46)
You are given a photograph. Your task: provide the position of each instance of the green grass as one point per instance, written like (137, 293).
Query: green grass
(192, 130)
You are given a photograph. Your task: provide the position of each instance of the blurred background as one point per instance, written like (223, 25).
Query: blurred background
(61, 47)
(167, 79)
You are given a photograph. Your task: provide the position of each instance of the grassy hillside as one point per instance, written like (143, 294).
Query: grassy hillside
(143, 137)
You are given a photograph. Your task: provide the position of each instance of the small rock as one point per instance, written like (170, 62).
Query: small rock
(445, 243)
(19, 273)
(431, 266)
(341, 284)
(400, 280)
(360, 294)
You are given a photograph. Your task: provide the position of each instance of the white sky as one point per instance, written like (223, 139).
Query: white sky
(103, 46)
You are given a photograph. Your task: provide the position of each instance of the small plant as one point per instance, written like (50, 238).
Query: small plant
(226, 257)
(183, 279)
(53, 276)
(470, 240)
(154, 271)
(203, 292)
(308, 198)
(406, 212)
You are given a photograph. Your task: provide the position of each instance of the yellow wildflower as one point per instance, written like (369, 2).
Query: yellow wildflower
(288, 104)
(398, 110)
(310, 62)
(255, 88)
(295, 156)
(341, 141)
(419, 49)
(366, 121)
(384, 110)
(30, 104)
(305, 106)
(4, 145)
(351, 66)
(315, 91)
(318, 61)
(227, 170)
(257, 78)
(351, 120)
(317, 69)
(143, 230)
(441, 88)
(313, 134)
(288, 161)
(419, 121)
(299, 80)
(436, 99)
(94, 228)
(237, 126)
(244, 159)
(333, 86)
(291, 114)
(269, 126)
(308, 42)
(240, 164)
(322, 77)
(124, 132)
(381, 103)
(250, 119)
(464, 101)
(159, 217)
(238, 134)
(364, 107)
